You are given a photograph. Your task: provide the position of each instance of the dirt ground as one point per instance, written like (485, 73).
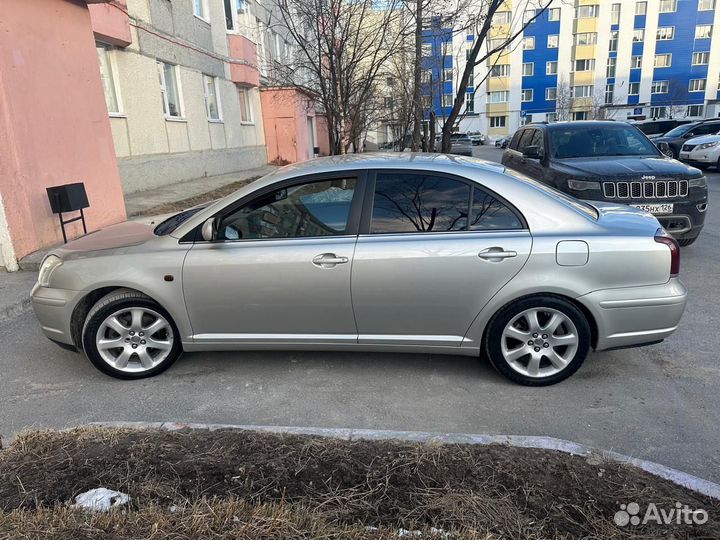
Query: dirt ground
(238, 484)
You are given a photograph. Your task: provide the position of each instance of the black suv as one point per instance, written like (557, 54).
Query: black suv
(658, 127)
(612, 162)
(676, 137)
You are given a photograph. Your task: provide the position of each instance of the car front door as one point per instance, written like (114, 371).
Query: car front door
(422, 270)
(279, 270)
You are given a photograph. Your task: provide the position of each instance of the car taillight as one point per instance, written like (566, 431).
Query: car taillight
(662, 237)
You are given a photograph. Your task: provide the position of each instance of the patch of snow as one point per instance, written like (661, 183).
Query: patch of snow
(403, 533)
(101, 500)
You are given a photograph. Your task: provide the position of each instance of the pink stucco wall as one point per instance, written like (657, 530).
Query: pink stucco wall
(111, 22)
(243, 65)
(285, 120)
(54, 127)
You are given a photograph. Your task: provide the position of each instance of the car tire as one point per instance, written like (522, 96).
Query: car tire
(686, 241)
(553, 355)
(146, 338)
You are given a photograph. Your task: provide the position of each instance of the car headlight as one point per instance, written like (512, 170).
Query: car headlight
(698, 182)
(583, 185)
(48, 266)
(707, 145)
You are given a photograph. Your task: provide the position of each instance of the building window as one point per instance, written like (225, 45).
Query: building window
(528, 69)
(697, 85)
(551, 94)
(527, 94)
(553, 41)
(633, 89)
(427, 102)
(700, 58)
(529, 43)
(586, 12)
(584, 65)
(212, 97)
(640, 8)
(169, 90)
(635, 62)
(705, 5)
(615, 14)
(659, 87)
(658, 112)
(551, 117)
(665, 33)
(586, 38)
(427, 49)
(448, 100)
(502, 17)
(667, 6)
(426, 76)
(234, 9)
(663, 60)
(470, 102)
(528, 16)
(498, 121)
(695, 110)
(447, 48)
(448, 74)
(107, 75)
(246, 116)
(496, 43)
(703, 31)
(581, 91)
(551, 68)
(554, 14)
(200, 9)
(501, 70)
(612, 45)
(638, 35)
(609, 94)
(610, 70)
(501, 96)
(580, 115)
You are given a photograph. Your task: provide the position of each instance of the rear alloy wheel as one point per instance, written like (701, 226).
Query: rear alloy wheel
(538, 341)
(129, 336)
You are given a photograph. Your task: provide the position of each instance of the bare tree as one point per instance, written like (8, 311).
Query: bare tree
(564, 101)
(676, 98)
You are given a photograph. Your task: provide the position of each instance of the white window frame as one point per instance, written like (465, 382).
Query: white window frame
(502, 17)
(527, 40)
(504, 68)
(426, 49)
(448, 75)
(551, 117)
(636, 61)
(528, 15)
(697, 27)
(497, 121)
(163, 91)
(110, 60)
(551, 63)
(532, 69)
(656, 109)
(638, 32)
(663, 55)
(609, 92)
(576, 115)
(522, 94)
(701, 54)
(701, 109)
(504, 96)
(553, 14)
(587, 91)
(701, 83)
(610, 67)
(641, 10)
(204, 9)
(630, 87)
(216, 86)
(659, 87)
(589, 65)
(239, 9)
(554, 93)
(706, 5)
(470, 102)
(243, 93)
(593, 9)
(615, 11)
(448, 100)
(662, 32)
(663, 9)
(613, 41)
(555, 38)
(590, 36)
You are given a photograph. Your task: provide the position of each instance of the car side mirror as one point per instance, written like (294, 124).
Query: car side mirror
(664, 148)
(209, 229)
(532, 152)
(688, 135)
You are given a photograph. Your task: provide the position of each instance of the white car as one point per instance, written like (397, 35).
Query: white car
(702, 152)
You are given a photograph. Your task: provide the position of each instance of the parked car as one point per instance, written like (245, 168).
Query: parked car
(702, 151)
(502, 142)
(613, 162)
(449, 255)
(658, 127)
(677, 137)
(477, 139)
(461, 146)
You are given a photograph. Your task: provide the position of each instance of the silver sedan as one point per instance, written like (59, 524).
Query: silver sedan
(408, 253)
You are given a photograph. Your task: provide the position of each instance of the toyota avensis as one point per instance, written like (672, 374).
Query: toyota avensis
(403, 252)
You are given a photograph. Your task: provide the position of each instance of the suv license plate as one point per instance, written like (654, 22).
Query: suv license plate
(655, 208)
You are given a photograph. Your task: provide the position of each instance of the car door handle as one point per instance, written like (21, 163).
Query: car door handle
(328, 260)
(496, 254)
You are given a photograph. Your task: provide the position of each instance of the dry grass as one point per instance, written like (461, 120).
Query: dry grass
(231, 484)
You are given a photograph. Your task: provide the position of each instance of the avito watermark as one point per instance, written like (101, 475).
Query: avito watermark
(680, 514)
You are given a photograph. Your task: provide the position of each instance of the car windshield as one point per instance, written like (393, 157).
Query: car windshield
(576, 141)
(462, 140)
(173, 222)
(680, 130)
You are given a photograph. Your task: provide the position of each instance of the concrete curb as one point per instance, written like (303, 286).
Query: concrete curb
(705, 487)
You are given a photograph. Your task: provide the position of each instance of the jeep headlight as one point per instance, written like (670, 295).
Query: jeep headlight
(703, 146)
(698, 182)
(583, 185)
(48, 266)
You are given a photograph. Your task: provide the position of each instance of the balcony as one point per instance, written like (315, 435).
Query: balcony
(243, 60)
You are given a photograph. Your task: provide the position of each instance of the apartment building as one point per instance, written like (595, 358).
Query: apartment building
(582, 59)
(181, 85)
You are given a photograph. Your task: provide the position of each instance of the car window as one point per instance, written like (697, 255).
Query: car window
(600, 141)
(311, 209)
(411, 202)
(705, 129)
(680, 130)
(516, 139)
(488, 213)
(526, 139)
(537, 140)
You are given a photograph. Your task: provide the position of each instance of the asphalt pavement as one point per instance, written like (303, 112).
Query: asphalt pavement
(659, 403)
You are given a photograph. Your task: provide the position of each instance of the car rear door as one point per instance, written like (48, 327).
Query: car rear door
(280, 269)
(422, 270)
